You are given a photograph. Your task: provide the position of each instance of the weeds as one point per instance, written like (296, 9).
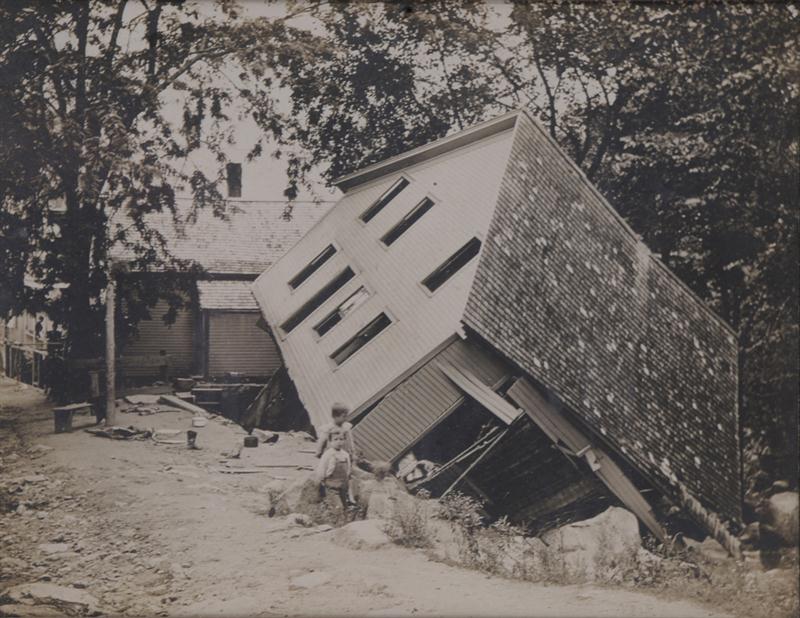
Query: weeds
(408, 524)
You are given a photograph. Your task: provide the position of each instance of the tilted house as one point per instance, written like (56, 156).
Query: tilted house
(477, 302)
(218, 332)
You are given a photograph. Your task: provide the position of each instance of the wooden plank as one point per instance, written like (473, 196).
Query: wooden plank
(74, 406)
(545, 414)
(558, 427)
(111, 355)
(481, 393)
(184, 405)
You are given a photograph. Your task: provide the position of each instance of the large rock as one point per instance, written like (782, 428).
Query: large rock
(514, 556)
(589, 548)
(69, 601)
(362, 534)
(301, 496)
(782, 516)
(384, 498)
(709, 549)
(446, 542)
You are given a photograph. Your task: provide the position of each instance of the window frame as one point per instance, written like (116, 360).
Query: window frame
(228, 176)
(383, 312)
(286, 332)
(369, 294)
(315, 270)
(422, 283)
(427, 199)
(378, 205)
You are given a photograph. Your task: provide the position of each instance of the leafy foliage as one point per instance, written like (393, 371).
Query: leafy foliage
(686, 116)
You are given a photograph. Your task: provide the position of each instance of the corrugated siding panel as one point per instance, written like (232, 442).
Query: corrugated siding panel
(463, 185)
(421, 401)
(236, 344)
(154, 336)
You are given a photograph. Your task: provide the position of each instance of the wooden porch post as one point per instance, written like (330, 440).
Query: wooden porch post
(110, 352)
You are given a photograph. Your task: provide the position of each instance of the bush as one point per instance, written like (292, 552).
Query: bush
(408, 525)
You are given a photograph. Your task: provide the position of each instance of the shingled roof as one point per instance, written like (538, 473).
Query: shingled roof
(226, 295)
(248, 240)
(566, 290)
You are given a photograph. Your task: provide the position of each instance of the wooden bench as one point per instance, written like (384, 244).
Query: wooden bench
(62, 416)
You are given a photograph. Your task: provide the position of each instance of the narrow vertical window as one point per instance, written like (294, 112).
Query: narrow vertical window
(406, 222)
(361, 338)
(314, 303)
(312, 267)
(453, 264)
(355, 300)
(233, 174)
(384, 199)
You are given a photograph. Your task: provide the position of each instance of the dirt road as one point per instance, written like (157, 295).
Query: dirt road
(157, 529)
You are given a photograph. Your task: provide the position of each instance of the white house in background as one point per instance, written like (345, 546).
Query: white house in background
(218, 333)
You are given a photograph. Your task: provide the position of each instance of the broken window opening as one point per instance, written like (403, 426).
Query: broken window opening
(314, 303)
(312, 267)
(406, 222)
(383, 200)
(356, 299)
(452, 265)
(233, 174)
(361, 338)
(464, 426)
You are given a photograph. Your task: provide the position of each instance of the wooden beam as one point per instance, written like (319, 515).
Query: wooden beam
(480, 392)
(559, 428)
(171, 400)
(111, 396)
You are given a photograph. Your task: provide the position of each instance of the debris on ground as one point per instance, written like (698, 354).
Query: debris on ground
(45, 596)
(267, 437)
(120, 433)
(167, 436)
(143, 400)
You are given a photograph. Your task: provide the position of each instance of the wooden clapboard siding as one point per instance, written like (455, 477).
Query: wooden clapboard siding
(408, 412)
(154, 335)
(236, 344)
(463, 184)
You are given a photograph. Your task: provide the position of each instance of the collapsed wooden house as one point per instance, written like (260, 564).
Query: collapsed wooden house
(479, 305)
(216, 333)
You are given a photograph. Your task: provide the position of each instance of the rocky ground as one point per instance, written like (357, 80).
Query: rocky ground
(90, 526)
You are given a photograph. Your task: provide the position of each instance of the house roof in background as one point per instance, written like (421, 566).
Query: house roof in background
(251, 236)
(230, 295)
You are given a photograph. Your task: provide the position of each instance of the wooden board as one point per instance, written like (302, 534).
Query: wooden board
(183, 405)
(560, 429)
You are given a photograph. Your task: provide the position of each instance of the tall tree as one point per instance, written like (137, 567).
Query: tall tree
(685, 115)
(88, 146)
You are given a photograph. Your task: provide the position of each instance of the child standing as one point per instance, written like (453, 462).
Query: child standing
(339, 413)
(333, 471)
